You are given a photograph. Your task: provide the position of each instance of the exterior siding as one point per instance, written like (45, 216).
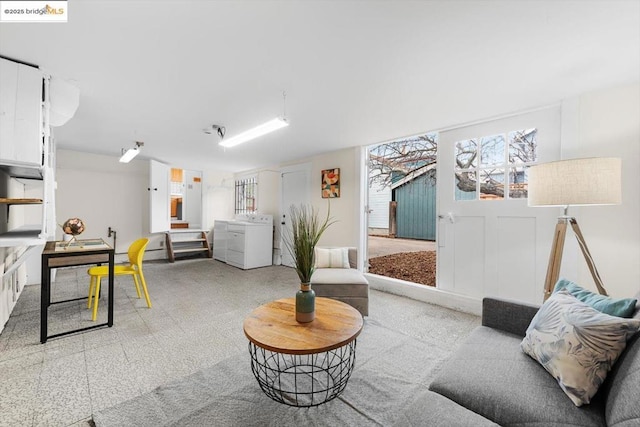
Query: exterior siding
(379, 199)
(416, 211)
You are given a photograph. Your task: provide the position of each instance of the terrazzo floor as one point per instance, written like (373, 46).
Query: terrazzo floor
(195, 322)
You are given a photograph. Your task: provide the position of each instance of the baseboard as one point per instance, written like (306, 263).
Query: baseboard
(152, 254)
(425, 293)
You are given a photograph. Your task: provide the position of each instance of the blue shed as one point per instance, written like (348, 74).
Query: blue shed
(415, 195)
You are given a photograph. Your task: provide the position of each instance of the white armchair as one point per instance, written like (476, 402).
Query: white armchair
(342, 281)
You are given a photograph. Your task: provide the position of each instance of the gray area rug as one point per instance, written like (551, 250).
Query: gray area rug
(391, 369)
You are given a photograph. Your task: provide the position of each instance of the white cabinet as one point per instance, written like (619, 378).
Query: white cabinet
(26, 176)
(26, 157)
(21, 89)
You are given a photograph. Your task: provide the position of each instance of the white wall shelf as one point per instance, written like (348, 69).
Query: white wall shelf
(22, 172)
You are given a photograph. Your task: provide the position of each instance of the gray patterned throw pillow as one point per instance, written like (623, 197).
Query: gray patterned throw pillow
(576, 344)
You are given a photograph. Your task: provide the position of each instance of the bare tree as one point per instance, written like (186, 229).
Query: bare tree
(467, 172)
(521, 146)
(399, 158)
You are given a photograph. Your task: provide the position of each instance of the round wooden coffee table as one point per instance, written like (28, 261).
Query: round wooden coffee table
(303, 364)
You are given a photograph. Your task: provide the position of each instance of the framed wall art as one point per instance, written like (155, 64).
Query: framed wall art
(331, 183)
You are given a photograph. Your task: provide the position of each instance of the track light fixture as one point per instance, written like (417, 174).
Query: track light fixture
(220, 130)
(128, 155)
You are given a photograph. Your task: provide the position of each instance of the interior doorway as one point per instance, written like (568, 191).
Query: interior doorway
(176, 198)
(185, 198)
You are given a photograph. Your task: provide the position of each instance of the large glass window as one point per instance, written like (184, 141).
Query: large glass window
(494, 167)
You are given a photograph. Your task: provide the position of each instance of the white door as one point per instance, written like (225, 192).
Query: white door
(160, 215)
(487, 245)
(192, 199)
(295, 191)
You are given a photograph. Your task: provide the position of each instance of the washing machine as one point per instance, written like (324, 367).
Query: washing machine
(249, 241)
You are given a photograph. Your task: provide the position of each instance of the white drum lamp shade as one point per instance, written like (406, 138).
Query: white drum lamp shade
(575, 182)
(590, 181)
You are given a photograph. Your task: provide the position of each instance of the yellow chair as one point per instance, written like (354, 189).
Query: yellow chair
(136, 253)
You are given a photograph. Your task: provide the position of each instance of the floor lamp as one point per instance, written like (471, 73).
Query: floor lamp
(576, 182)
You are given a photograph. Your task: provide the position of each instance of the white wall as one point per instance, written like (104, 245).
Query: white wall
(269, 186)
(606, 123)
(345, 209)
(217, 195)
(106, 193)
(192, 198)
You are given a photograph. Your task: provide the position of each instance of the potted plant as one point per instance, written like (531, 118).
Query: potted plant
(301, 239)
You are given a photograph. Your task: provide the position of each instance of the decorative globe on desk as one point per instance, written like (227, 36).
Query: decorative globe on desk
(73, 227)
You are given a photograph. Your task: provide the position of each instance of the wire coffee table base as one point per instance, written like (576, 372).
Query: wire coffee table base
(303, 380)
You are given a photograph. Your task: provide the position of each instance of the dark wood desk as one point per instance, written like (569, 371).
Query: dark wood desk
(60, 254)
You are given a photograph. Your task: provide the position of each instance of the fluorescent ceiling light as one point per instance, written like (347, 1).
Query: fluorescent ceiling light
(257, 131)
(129, 154)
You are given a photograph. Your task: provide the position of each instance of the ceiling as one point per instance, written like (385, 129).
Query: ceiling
(354, 72)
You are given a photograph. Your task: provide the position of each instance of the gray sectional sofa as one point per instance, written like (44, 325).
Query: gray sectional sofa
(490, 381)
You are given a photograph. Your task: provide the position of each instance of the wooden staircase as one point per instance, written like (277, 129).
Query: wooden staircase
(187, 242)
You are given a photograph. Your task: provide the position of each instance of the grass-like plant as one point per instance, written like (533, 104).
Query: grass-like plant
(301, 239)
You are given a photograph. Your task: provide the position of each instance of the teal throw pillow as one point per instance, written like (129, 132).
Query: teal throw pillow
(623, 307)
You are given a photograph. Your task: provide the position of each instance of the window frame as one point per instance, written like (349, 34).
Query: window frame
(246, 195)
(508, 166)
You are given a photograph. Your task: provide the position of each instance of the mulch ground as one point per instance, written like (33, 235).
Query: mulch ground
(416, 267)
